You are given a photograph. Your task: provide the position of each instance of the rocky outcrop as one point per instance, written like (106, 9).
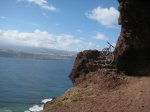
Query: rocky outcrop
(89, 66)
(133, 46)
(85, 62)
(132, 53)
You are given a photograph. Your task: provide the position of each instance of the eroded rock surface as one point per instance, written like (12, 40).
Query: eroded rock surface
(133, 46)
(85, 62)
(88, 65)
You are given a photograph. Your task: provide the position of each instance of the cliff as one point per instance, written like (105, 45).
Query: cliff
(90, 67)
(101, 88)
(117, 87)
(133, 45)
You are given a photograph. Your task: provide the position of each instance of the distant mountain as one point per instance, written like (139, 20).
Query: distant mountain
(36, 53)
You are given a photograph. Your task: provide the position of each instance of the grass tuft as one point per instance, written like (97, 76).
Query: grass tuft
(56, 104)
(74, 97)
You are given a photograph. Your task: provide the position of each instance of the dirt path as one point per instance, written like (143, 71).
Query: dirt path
(131, 97)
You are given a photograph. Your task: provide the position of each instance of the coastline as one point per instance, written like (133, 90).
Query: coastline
(39, 108)
(28, 82)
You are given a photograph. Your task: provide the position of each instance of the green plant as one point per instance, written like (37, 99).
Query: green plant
(74, 97)
(56, 104)
(89, 90)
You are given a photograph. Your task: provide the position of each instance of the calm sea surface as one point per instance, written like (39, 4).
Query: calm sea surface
(24, 83)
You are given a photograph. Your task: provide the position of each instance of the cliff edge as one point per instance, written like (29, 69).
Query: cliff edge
(101, 88)
(122, 86)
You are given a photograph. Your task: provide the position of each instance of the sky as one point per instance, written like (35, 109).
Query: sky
(72, 25)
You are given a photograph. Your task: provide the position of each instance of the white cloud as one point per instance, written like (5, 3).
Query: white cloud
(105, 16)
(43, 39)
(100, 36)
(114, 44)
(42, 3)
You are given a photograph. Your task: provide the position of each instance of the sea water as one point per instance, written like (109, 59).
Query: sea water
(26, 84)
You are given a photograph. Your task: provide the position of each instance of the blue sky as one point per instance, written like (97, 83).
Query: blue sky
(59, 24)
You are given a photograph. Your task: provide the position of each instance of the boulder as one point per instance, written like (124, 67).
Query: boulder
(84, 63)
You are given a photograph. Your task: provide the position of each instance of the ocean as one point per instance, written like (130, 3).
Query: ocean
(26, 84)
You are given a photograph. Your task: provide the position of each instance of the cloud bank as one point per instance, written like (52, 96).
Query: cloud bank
(100, 36)
(105, 16)
(43, 39)
(42, 3)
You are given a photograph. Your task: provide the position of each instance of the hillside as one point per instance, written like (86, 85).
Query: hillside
(37, 53)
(133, 96)
(122, 86)
(101, 88)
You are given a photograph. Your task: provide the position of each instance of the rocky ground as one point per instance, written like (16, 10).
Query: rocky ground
(102, 88)
(130, 96)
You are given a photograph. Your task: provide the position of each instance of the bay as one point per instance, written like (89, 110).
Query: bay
(26, 82)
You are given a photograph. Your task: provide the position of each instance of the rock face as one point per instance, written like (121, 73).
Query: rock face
(132, 51)
(84, 64)
(133, 46)
(89, 65)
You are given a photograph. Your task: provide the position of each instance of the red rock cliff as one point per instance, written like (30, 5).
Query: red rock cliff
(133, 46)
(85, 62)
